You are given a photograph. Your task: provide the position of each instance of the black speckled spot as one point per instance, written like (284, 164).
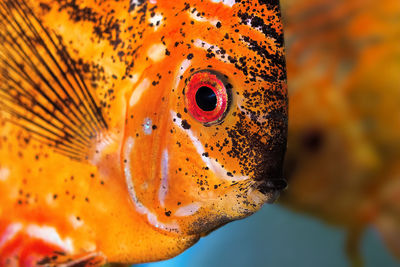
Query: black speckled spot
(185, 125)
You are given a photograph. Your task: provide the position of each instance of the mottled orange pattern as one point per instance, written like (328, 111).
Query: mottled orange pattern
(102, 158)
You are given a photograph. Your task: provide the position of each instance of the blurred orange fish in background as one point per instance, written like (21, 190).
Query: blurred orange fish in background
(343, 158)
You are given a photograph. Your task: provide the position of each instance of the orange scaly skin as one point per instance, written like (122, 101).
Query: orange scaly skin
(101, 160)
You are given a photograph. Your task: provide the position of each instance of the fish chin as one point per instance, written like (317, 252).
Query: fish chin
(267, 191)
(236, 205)
(270, 196)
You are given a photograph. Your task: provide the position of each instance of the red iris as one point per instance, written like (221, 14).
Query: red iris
(206, 97)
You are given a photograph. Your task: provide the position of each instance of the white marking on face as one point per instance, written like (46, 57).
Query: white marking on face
(135, 2)
(156, 20)
(4, 173)
(134, 78)
(138, 2)
(182, 68)
(50, 235)
(211, 163)
(139, 90)
(151, 217)
(195, 15)
(257, 28)
(11, 231)
(76, 222)
(162, 192)
(156, 52)
(215, 49)
(147, 126)
(187, 210)
(228, 3)
(127, 170)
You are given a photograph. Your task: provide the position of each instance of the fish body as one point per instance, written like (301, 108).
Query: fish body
(129, 129)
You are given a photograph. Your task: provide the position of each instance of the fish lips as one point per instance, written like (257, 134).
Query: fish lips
(272, 185)
(272, 188)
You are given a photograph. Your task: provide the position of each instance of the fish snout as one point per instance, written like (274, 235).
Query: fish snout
(272, 185)
(269, 175)
(271, 188)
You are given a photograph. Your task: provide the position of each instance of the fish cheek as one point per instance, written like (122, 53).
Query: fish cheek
(144, 144)
(187, 199)
(185, 166)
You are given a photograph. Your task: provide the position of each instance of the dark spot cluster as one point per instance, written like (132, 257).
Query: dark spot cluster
(26, 198)
(260, 154)
(185, 125)
(104, 27)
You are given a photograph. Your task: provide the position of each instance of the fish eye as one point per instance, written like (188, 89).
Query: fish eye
(207, 97)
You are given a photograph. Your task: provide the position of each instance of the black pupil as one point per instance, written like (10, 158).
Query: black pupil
(206, 98)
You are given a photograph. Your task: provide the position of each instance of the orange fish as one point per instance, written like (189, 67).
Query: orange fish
(344, 135)
(131, 129)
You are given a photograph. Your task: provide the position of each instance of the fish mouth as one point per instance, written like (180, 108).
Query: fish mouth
(272, 186)
(271, 189)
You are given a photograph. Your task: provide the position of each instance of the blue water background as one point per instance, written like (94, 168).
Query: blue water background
(278, 237)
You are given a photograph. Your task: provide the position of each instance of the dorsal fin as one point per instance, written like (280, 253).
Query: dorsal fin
(41, 88)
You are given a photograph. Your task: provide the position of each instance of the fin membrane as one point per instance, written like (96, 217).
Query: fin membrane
(41, 87)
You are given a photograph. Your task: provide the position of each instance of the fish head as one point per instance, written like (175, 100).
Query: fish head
(206, 123)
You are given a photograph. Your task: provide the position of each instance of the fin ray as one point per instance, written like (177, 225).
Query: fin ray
(41, 88)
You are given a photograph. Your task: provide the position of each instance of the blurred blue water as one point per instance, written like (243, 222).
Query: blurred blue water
(276, 236)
